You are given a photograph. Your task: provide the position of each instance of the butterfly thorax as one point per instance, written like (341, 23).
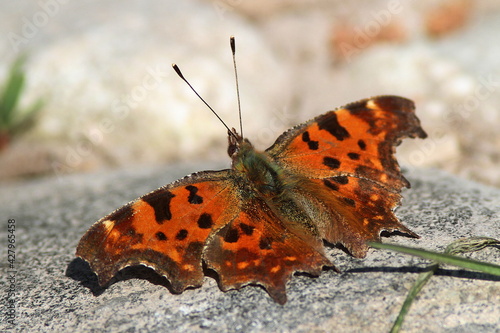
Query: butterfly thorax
(261, 179)
(258, 170)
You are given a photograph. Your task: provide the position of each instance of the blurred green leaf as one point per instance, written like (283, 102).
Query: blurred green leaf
(11, 92)
(13, 120)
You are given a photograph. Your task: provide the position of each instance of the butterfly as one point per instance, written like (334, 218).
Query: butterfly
(333, 179)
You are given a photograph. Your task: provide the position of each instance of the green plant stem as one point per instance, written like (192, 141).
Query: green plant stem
(459, 246)
(443, 258)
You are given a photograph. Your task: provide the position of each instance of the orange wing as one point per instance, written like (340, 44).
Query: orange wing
(202, 217)
(346, 158)
(165, 230)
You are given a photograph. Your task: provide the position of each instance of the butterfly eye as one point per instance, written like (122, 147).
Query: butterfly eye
(232, 149)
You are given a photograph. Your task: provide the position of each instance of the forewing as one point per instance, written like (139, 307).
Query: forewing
(346, 160)
(357, 140)
(165, 229)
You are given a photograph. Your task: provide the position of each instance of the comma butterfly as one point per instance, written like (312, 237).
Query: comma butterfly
(333, 178)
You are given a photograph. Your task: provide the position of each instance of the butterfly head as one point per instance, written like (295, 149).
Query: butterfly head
(235, 143)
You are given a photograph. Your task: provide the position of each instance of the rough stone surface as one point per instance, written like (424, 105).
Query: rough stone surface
(56, 292)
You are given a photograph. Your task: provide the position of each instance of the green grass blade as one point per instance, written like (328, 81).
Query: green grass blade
(442, 258)
(422, 279)
(463, 245)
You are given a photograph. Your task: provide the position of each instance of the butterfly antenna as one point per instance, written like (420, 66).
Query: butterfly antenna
(233, 51)
(178, 71)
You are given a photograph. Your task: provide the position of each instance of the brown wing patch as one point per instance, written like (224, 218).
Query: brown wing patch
(362, 209)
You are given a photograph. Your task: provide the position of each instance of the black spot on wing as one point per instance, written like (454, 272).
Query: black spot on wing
(353, 156)
(160, 236)
(182, 234)
(350, 202)
(330, 185)
(193, 198)
(330, 123)
(231, 236)
(247, 229)
(313, 145)
(362, 144)
(205, 221)
(160, 201)
(331, 162)
(340, 179)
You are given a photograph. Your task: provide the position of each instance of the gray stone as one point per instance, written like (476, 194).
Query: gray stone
(54, 291)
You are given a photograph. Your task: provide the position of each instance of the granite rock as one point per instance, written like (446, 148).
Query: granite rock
(54, 291)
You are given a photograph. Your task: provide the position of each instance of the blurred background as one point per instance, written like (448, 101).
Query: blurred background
(88, 85)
